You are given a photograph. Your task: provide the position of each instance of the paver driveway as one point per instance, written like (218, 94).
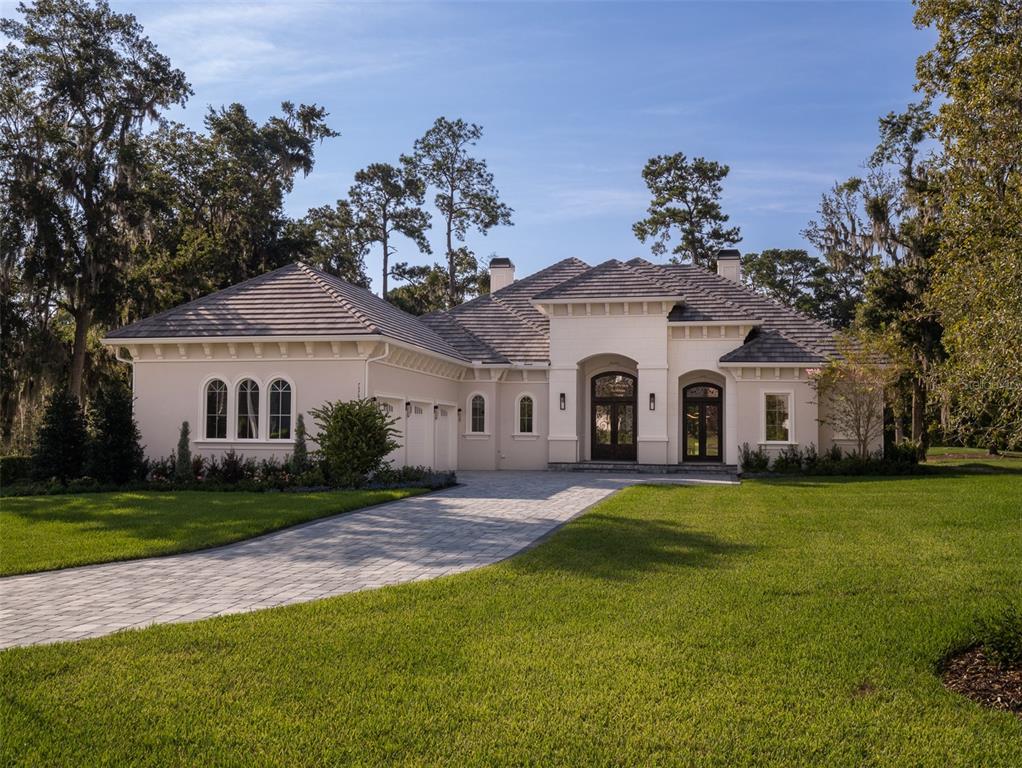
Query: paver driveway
(490, 517)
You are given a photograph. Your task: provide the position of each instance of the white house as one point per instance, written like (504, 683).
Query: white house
(621, 362)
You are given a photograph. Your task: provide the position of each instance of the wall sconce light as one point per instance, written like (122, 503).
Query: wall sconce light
(436, 412)
(652, 401)
(459, 415)
(408, 408)
(564, 402)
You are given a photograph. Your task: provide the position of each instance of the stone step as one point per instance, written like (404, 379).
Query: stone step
(721, 471)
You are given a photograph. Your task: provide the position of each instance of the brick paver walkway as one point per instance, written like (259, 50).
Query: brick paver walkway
(489, 518)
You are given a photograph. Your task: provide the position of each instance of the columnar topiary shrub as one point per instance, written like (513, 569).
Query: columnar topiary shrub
(183, 462)
(115, 454)
(354, 438)
(300, 456)
(60, 443)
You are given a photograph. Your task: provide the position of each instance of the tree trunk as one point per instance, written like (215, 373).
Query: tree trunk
(451, 283)
(919, 431)
(386, 256)
(83, 319)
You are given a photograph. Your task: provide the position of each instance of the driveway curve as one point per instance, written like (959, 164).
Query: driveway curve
(488, 518)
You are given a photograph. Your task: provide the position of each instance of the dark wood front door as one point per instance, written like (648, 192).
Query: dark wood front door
(702, 423)
(613, 399)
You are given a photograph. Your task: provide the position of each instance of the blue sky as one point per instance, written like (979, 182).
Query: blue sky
(573, 97)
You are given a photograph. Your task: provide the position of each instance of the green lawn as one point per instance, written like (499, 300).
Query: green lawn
(783, 622)
(39, 533)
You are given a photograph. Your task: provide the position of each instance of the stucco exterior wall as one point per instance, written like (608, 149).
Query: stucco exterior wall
(804, 427)
(169, 392)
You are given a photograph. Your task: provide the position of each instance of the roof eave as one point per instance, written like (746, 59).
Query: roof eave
(136, 340)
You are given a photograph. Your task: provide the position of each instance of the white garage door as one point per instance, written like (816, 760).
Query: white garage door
(419, 435)
(445, 434)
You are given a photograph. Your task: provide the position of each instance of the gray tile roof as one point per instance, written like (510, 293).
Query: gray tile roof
(506, 322)
(498, 328)
(295, 300)
(771, 346)
(611, 279)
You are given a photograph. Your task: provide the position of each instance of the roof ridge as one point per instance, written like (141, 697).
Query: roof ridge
(316, 276)
(703, 292)
(658, 279)
(762, 296)
(518, 284)
(202, 299)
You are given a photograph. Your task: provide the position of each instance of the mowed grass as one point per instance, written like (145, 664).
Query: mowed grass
(795, 622)
(39, 533)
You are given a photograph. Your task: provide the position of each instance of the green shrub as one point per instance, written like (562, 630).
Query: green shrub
(183, 460)
(115, 454)
(14, 468)
(788, 461)
(60, 443)
(300, 455)
(906, 452)
(1001, 636)
(753, 460)
(354, 439)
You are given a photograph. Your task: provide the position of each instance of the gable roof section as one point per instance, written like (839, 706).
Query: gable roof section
(610, 280)
(295, 300)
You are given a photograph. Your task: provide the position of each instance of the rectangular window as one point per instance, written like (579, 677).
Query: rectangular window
(778, 418)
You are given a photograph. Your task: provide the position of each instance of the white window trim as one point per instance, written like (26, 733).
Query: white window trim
(265, 423)
(486, 415)
(517, 433)
(200, 432)
(790, 394)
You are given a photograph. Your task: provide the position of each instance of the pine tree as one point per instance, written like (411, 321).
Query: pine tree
(183, 465)
(61, 441)
(115, 453)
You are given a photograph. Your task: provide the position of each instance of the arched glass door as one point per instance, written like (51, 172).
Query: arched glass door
(702, 423)
(613, 417)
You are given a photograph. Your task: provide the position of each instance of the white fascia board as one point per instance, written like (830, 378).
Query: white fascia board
(138, 340)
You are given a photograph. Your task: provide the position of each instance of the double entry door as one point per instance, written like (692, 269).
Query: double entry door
(613, 398)
(702, 423)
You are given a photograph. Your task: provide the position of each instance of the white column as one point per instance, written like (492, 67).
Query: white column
(652, 425)
(731, 417)
(563, 438)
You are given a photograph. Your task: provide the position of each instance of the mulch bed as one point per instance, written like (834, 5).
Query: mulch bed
(972, 674)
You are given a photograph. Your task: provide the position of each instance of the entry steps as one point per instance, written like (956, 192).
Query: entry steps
(727, 472)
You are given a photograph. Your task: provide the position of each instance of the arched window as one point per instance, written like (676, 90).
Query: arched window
(280, 410)
(248, 410)
(478, 414)
(216, 410)
(525, 418)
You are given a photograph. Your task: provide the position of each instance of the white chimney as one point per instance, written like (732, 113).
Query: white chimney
(729, 264)
(502, 273)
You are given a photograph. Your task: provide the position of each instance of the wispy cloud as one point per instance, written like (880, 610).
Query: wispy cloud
(268, 43)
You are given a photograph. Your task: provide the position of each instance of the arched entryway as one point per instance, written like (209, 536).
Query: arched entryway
(613, 400)
(702, 422)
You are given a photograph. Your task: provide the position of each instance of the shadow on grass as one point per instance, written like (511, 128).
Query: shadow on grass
(180, 516)
(927, 472)
(617, 548)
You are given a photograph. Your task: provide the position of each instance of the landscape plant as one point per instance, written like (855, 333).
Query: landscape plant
(183, 471)
(354, 438)
(115, 453)
(61, 441)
